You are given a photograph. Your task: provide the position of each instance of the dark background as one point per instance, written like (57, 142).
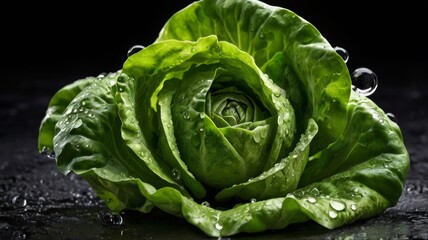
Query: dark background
(57, 43)
(46, 46)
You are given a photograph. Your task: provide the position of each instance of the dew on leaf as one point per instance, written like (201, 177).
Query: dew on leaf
(343, 53)
(134, 49)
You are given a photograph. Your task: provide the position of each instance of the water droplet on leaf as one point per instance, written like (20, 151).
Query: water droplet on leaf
(253, 200)
(205, 204)
(332, 214)
(176, 174)
(218, 226)
(392, 117)
(364, 81)
(336, 205)
(312, 200)
(134, 49)
(354, 207)
(343, 53)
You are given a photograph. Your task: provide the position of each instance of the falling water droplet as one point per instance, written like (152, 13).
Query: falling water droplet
(392, 117)
(343, 53)
(312, 200)
(332, 214)
(354, 207)
(19, 201)
(364, 81)
(134, 49)
(205, 204)
(176, 174)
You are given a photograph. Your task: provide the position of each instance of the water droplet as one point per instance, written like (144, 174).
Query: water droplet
(277, 93)
(218, 226)
(364, 81)
(176, 174)
(101, 75)
(336, 205)
(332, 214)
(186, 115)
(312, 200)
(201, 129)
(392, 117)
(354, 207)
(253, 200)
(51, 155)
(134, 49)
(110, 219)
(262, 35)
(314, 191)
(19, 201)
(202, 115)
(205, 204)
(343, 53)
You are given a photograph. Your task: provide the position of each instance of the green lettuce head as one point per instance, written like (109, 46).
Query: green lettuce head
(238, 118)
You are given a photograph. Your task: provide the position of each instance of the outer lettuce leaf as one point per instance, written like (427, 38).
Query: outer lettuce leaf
(57, 105)
(88, 141)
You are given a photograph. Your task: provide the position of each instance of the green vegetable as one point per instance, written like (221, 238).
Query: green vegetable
(238, 104)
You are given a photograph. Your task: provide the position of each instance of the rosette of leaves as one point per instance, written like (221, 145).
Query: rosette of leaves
(238, 104)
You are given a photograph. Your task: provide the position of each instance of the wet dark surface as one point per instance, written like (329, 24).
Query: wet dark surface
(38, 202)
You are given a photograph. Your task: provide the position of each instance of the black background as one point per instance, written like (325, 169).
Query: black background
(57, 43)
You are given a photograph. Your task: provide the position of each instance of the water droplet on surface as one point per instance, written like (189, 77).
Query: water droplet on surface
(201, 129)
(176, 174)
(218, 226)
(134, 49)
(19, 201)
(332, 214)
(205, 204)
(392, 117)
(354, 207)
(51, 155)
(336, 205)
(253, 200)
(110, 219)
(312, 200)
(364, 81)
(343, 53)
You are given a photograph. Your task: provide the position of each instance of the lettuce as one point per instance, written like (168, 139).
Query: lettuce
(239, 117)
